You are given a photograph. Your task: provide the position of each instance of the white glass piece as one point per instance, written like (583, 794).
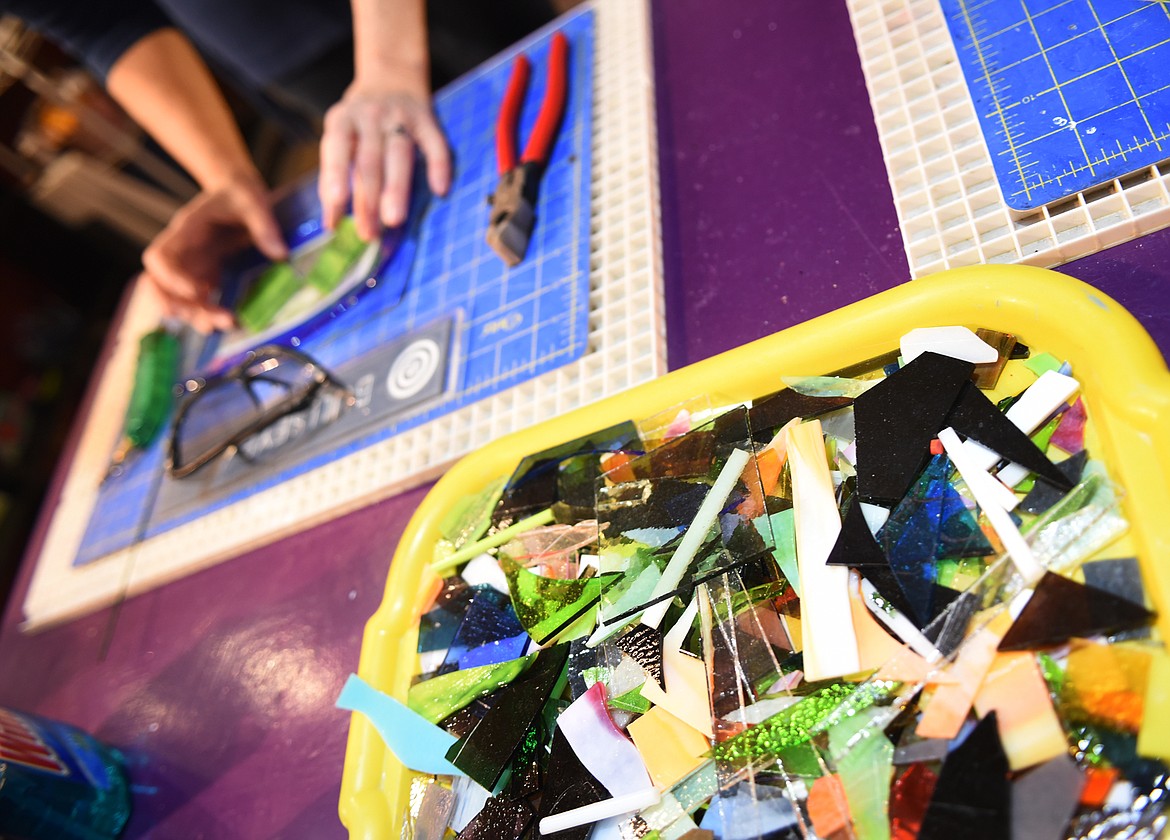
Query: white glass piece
(830, 644)
(485, 569)
(598, 811)
(985, 490)
(605, 752)
(956, 342)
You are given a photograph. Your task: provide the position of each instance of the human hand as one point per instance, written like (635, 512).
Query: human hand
(185, 260)
(374, 129)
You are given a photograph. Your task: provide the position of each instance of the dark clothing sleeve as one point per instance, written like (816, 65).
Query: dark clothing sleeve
(95, 33)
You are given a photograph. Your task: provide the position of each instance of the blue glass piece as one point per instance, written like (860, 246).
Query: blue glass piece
(489, 618)
(751, 811)
(930, 524)
(501, 650)
(438, 626)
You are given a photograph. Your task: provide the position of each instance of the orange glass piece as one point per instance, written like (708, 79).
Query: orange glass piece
(1015, 689)
(947, 710)
(769, 463)
(827, 807)
(875, 646)
(616, 467)
(1107, 683)
(1098, 782)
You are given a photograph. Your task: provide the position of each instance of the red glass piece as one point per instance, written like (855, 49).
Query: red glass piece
(908, 800)
(1070, 433)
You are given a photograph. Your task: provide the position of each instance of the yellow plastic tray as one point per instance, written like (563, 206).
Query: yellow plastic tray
(1122, 373)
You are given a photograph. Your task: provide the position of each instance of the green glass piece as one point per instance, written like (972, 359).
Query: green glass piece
(546, 606)
(580, 628)
(801, 760)
(1054, 675)
(631, 701)
(696, 787)
(800, 721)
(828, 386)
(634, 588)
(268, 294)
(783, 525)
(1041, 363)
(865, 760)
(471, 515)
(1041, 437)
(442, 696)
(153, 393)
(945, 573)
(335, 258)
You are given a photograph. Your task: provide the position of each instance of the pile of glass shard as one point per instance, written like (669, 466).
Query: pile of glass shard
(889, 602)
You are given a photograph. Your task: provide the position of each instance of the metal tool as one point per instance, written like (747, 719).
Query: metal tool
(513, 202)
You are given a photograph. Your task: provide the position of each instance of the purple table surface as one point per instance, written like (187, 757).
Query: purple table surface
(776, 208)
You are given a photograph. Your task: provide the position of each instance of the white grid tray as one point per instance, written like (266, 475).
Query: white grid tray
(949, 206)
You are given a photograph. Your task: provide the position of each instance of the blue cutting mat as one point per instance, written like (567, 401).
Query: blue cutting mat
(1070, 93)
(505, 325)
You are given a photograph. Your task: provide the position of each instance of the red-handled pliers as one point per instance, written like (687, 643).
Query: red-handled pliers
(514, 201)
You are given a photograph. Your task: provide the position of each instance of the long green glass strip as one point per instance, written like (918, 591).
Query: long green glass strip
(442, 696)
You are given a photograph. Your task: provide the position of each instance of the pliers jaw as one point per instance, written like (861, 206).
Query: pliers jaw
(513, 214)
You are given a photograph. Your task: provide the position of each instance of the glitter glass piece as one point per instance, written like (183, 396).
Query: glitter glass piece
(489, 618)
(545, 606)
(500, 819)
(568, 785)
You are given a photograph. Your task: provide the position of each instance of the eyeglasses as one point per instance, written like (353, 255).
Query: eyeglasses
(219, 414)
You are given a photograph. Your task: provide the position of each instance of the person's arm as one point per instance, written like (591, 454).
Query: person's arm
(383, 114)
(162, 83)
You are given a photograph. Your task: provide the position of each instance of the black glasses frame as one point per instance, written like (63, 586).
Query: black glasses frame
(245, 373)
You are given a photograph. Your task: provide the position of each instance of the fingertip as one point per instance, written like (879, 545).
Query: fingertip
(393, 212)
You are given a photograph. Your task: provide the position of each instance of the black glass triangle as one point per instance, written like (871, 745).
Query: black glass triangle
(972, 800)
(771, 412)
(886, 583)
(976, 417)
(856, 545)
(943, 597)
(896, 420)
(644, 645)
(1044, 494)
(1060, 609)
